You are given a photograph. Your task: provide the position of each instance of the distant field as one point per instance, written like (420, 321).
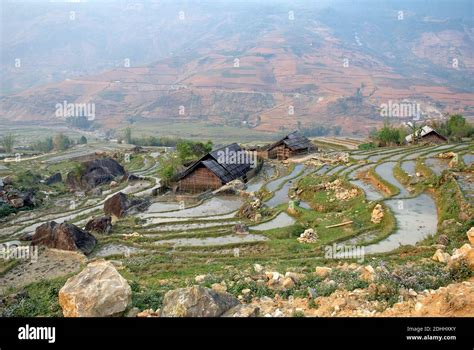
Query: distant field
(201, 131)
(26, 134)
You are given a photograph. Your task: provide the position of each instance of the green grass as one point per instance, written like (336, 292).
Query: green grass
(37, 299)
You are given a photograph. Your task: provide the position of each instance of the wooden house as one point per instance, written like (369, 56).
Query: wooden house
(215, 169)
(426, 135)
(289, 146)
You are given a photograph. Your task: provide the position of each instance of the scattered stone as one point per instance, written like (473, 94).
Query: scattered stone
(220, 288)
(133, 312)
(258, 268)
(368, 274)
(296, 277)
(443, 240)
(287, 283)
(470, 235)
(120, 205)
(97, 291)
(148, 313)
(17, 203)
(418, 306)
(278, 313)
(308, 236)
(53, 179)
(441, 256)
(101, 224)
(200, 278)
(446, 155)
(243, 310)
(377, 214)
(322, 271)
(241, 229)
(64, 236)
(466, 253)
(196, 301)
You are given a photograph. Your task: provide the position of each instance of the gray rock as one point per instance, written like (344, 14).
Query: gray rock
(95, 173)
(54, 179)
(243, 310)
(97, 291)
(197, 301)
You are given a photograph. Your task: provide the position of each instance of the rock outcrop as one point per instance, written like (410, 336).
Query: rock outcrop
(95, 173)
(97, 291)
(18, 199)
(101, 224)
(241, 229)
(63, 236)
(197, 301)
(308, 236)
(53, 179)
(120, 205)
(117, 205)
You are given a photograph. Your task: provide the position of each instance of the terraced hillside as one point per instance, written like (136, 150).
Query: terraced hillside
(177, 238)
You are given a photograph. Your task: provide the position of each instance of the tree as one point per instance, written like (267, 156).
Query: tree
(388, 135)
(82, 140)
(44, 146)
(8, 141)
(190, 150)
(455, 127)
(168, 168)
(61, 142)
(128, 135)
(415, 131)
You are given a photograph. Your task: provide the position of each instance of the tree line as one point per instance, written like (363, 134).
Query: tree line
(58, 142)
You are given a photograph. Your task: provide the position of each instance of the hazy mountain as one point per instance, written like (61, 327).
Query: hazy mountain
(261, 64)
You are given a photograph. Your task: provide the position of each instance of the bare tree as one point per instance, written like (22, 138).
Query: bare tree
(416, 131)
(8, 140)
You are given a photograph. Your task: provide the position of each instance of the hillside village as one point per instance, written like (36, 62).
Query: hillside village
(295, 227)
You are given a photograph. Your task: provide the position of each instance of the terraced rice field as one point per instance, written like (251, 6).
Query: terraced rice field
(190, 234)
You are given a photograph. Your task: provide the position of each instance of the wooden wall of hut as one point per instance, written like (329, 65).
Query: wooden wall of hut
(201, 179)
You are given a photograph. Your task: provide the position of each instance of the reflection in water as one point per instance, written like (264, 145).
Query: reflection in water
(282, 220)
(273, 185)
(417, 218)
(437, 165)
(385, 170)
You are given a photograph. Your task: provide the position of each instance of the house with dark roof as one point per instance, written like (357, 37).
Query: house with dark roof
(217, 168)
(292, 144)
(426, 135)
